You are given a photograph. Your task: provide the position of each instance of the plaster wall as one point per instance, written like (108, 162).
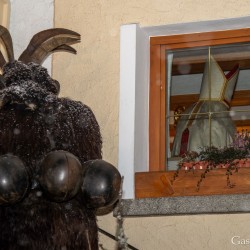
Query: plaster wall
(93, 78)
(27, 18)
(4, 13)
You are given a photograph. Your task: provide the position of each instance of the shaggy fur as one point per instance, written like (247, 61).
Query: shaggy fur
(42, 225)
(34, 122)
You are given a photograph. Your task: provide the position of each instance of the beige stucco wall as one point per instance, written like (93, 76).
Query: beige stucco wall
(4, 12)
(93, 77)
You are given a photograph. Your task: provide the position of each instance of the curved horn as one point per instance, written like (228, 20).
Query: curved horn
(7, 42)
(46, 41)
(44, 54)
(48, 47)
(65, 48)
(2, 60)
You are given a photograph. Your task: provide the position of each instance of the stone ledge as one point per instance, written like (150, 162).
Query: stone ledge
(212, 204)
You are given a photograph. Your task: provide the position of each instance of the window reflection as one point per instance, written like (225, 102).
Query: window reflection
(207, 97)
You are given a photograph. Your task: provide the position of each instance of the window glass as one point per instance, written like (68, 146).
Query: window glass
(206, 98)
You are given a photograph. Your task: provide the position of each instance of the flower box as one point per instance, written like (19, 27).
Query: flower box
(203, 164)
(158, 184)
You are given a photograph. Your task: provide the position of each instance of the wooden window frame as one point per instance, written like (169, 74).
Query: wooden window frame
(157, 96)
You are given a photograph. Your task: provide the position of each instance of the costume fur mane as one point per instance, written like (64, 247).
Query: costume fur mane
(33, 122)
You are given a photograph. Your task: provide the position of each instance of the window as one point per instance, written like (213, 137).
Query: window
(142, 123)
(189, 54)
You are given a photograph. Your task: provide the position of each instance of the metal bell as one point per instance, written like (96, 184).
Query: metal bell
(61, 175)
(101, 184)
(14, 179)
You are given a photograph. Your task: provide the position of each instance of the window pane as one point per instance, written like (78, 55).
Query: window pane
(207, 97)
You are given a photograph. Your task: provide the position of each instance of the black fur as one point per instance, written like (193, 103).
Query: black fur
(34, 122)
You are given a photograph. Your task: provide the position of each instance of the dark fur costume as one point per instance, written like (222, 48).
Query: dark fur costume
(38, 224)
(34, 122)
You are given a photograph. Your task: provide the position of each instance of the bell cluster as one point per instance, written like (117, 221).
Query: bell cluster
(96, 183)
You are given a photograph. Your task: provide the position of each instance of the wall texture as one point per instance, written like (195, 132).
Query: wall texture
(93, 77)
(4, 12)
(27, 18)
